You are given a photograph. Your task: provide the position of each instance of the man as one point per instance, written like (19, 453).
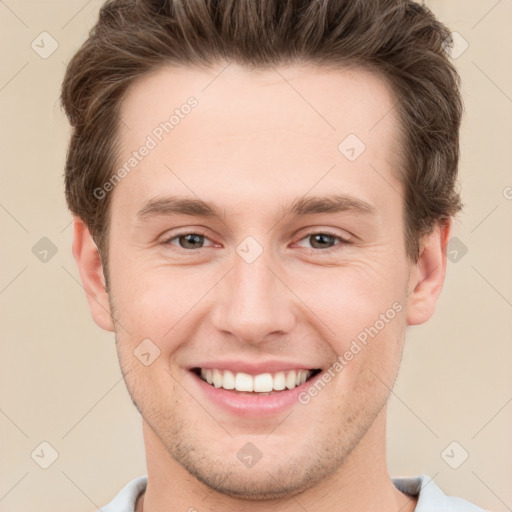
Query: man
(263, 193)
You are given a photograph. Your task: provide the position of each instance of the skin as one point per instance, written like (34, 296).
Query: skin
(255, 143)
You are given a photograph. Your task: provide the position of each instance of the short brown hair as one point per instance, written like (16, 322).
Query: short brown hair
(400, 40)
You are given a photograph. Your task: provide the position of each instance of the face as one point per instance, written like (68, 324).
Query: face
(248, 250)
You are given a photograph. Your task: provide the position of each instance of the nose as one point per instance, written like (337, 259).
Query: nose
(253, 302)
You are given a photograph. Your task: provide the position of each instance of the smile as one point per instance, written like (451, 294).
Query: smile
(261, 383)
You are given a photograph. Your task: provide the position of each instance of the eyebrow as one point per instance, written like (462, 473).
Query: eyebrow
(315, 205)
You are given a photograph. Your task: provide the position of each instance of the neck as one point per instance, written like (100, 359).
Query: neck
(362, 483)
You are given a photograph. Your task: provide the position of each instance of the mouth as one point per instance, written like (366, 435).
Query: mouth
(263, 384)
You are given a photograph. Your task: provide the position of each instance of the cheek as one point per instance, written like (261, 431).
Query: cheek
(152, 301)
(351, 300)
(363, 308)
(165, 303)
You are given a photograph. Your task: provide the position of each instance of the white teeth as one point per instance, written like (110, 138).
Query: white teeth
(207, 375)
(244, 382)
(217, 378)
(229, 380)
(279, 381)
(291, 380)
(262, 383)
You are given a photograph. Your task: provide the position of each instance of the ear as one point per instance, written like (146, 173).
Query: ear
(90, 267)
(427, 275)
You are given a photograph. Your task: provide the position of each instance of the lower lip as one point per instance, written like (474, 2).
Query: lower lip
(256, 404)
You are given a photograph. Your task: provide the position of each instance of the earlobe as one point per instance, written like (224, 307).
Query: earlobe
(90, 268)
(428, 274)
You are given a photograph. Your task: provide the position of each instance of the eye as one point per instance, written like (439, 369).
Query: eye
(188, 240)
(324, 240)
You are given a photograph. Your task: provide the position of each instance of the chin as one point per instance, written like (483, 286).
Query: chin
(262, 484)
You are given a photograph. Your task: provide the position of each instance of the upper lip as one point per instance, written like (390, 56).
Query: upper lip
(253, 368)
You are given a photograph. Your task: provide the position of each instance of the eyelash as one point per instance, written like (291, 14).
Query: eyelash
(342, 241)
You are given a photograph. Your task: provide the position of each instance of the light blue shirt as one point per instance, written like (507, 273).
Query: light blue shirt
(430, 496)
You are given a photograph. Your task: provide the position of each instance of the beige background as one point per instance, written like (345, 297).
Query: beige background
(60, 381)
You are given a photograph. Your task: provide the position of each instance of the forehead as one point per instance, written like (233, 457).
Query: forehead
(249, 128)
